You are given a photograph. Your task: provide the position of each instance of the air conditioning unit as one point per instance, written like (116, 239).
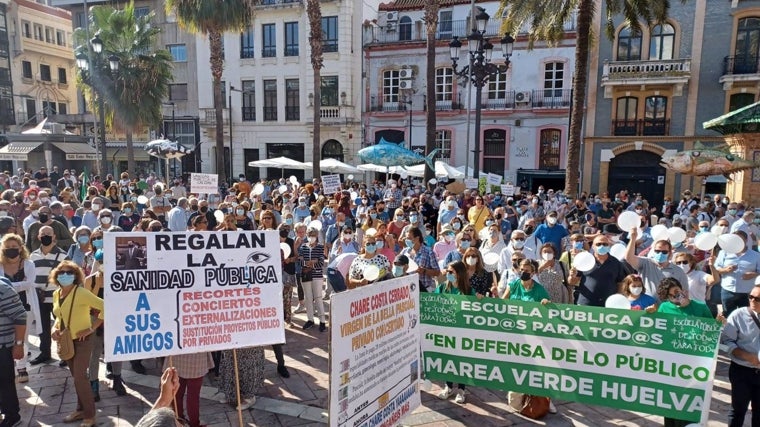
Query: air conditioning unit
(522, 97)
(391, 17)
(405, 84)
(405, 73)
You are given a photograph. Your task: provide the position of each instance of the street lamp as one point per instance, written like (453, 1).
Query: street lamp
(482, 71)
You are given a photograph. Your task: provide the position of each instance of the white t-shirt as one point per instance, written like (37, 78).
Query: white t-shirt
(697, 285)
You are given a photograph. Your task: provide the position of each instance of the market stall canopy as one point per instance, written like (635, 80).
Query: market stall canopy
(45, 128)
(743, 120)
(334, 166)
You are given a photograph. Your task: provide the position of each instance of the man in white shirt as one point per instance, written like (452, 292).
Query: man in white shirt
(177, 216)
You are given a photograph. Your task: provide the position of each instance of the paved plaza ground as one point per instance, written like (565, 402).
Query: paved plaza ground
(301, 400)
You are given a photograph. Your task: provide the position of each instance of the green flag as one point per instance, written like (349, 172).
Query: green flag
(83, 188)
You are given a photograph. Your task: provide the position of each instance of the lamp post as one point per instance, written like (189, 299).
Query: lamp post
(483, 70)
(408, 102)
(84, 64)
(229, 105)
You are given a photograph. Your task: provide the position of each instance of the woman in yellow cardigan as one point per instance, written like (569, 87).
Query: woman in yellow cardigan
(73, 301)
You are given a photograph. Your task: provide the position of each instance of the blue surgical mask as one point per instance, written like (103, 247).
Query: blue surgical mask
(127, 211)
(409, 243)
(66, 279)
(83, 239)
(602, 250)
(577, 245)
(97, 243)
(398, 270)
(413, 219)
(703, 229)
(451, 277)
(660, 257)
(373, 215)
(464, 244)
(289, 221)
(380, 244)
(370, 248)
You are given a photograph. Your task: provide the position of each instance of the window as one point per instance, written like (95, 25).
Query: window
(444, 88)
(141, 11)
(554, 77)
(45, 73)
(62, 79)
(38, 32)
(626, 115)
(60, 38)
(445, 24)
(178, 92)
(655, 115)
(663, 41)
(292, 100)
(178, 51)
(62, 108)
(629, 45)
(494, 151)
(739, 100)
(249, 101)
(329, 89)
(497, 86)
(49, 107)
(330, 34)
(26, 70)
(549, 149)
(746, 51)
(246, 44)
(26, 27)
(269, 41)
(391, 87)
(291, 39)
(31, 111)
(405, 28)
(443, 143)
(270, 100)
(49, 35)
(79, 20)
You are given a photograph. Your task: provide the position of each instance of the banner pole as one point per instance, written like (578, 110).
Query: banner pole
(237, 387)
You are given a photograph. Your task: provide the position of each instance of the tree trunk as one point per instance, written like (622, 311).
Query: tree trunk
(431, 21)
(314, 11)
(580, 81)
(130, 154)
(316, 149)
(217, 67)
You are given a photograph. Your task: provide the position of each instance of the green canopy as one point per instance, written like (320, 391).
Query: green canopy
(743, 120)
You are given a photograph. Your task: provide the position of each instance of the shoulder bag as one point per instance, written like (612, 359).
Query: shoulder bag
(65, 340)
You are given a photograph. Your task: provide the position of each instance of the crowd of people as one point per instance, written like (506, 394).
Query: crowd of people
(480, 243)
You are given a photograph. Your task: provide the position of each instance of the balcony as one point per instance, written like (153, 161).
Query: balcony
(645, 127)
(646, 72)
(331, 115)
(207, 116)
(551, 98)
(268, 4)
(377, 105)
(739, 69)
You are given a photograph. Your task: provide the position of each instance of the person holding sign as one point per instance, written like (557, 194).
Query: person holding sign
(190, 368)
(72, 304)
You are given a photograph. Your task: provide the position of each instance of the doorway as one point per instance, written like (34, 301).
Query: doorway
(639, 172)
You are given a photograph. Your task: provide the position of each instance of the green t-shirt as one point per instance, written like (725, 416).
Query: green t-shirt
(695, 308)
(441, 289)
(536, 294)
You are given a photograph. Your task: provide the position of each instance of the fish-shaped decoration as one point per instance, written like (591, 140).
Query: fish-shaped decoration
(704, 161)
(166, 149)
(389, 154)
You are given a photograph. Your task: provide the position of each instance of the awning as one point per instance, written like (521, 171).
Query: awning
(77, 150)
(18, 150)
(743, 120)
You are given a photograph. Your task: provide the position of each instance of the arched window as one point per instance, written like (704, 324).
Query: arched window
(747, 46)
(662, 44)
(626, 115)
(405, 28)
(549, 150)
(629, 45)
(332, 149)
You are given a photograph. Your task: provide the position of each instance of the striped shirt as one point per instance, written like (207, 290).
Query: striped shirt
(12, 313)
(308, 253)
(43, 265)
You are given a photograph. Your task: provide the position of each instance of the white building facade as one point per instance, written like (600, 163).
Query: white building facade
(269, 88)
(525, 110)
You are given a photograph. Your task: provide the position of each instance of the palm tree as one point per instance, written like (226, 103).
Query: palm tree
(134, 94)
(431, 22)
(314, 11)
(546, 21)
(212, 18)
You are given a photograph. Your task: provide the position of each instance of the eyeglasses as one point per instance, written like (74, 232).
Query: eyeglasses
(451, 271)
(267, 217)
(661, 251)
(66, 271)
(519, 239)
(753, 298)
(466, 240)
(682, 262)
(601, 244)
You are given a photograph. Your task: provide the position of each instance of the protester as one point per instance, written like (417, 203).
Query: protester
(456, 283)
(311, 256)
(737, 275)
(553, 275)
(633, 289)
(368, 257)
(12, 332)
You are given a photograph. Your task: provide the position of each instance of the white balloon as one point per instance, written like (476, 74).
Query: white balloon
(618, 250)
(413, 267)
(350, 177)
(142, 200)
(628, 220)
(371, 272)
(433, 181)
(316, 224)
(715, 230)
(731, 243)
(293, 180)
(219, 215)
(705, 241)
(354, 195)
(285, 249)
(370, 232)
(282, 189)
(584, 261)
(258, 189)
(491, 258)
(618, 301)
(404, 174)
(659, 232)
(676, 234)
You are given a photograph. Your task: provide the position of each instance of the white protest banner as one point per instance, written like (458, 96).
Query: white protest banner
(375, 353)
(331, 184)
(204, 183)
(471, 183)
(493, 179)
(187, 292)
(517, 191)
(508, 189)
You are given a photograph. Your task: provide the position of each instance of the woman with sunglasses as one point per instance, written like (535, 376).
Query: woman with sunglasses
(72, 304)
(478, 214)
(699, 281)
(368, 256)
(456, 284)
(633, 289)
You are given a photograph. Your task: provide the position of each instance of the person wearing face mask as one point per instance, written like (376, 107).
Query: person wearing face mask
(478, 214)
(700, 283)
(105, 220)
(72, 305)
(177, 216)
(204, 210)
(633, 289)
(90, 217)
(552, 274)
(301, 213)
(311, 256)
(19, 270)
(456, 284)
(32, 216)
(427, 263)
(480, 280)
(656, 268)
(516, 243)
(731, 214)
(78, 252)
(244, 222)
(551, 231)
(368, 257)
(129, 218)
(346, 244)
(45, 259)
(415, 221)
(446, 244)
(738, 272)
(448, 211)
(492, 243)
(594, 286)
(44, 219)
(333, 231)
(398, 224)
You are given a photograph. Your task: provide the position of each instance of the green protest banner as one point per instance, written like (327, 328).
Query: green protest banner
(654, 363)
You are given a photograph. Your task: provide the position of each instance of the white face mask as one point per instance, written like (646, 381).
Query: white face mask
(312, 239)
(105, 220)
(685, 267)
(636, 291)
(95, 208)
(471, 260)
(547, 256)
(518, 244)
(551, 220)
